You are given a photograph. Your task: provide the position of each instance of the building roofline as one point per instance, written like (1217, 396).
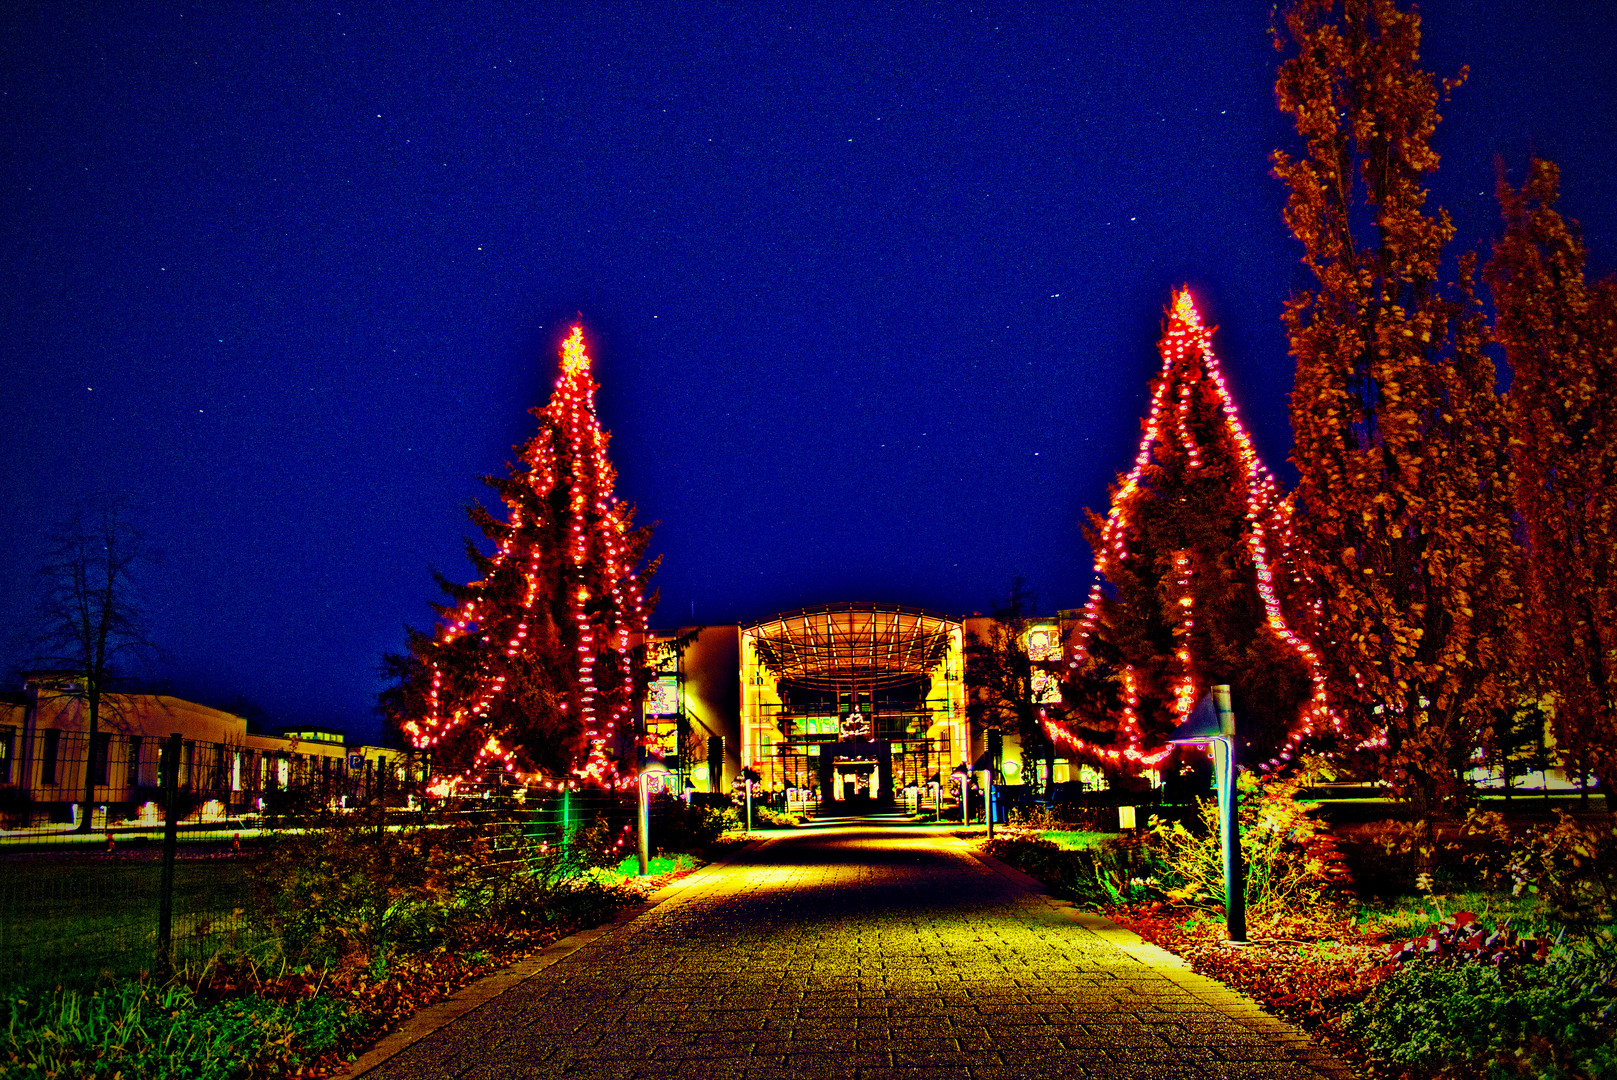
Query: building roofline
(850, 606)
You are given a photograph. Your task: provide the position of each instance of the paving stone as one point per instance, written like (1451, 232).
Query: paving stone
(862, 952)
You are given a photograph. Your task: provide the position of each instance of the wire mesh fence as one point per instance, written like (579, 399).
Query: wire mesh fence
(205, 857)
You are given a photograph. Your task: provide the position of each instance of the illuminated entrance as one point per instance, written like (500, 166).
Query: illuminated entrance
(849, 704)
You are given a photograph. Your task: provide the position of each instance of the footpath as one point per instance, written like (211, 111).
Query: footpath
(860, 949)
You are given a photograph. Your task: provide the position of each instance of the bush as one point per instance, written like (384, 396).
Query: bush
(354, 890)
(775, 819)
(1116, 871)
(15, 806)
(1291, 859)
(691, 828)
(1573, 868)
(1556, 1020)
(186, 801)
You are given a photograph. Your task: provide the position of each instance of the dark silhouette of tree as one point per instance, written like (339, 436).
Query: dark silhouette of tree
(532, 668)
(1010, 678)
(90, 626)
(1403, 501)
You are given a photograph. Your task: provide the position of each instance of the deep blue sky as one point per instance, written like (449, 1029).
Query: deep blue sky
(873, 289)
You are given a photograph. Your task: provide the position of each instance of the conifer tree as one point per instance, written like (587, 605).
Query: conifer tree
(531, 668)
(1403, 500)
(1559, 332)
(1188, 563)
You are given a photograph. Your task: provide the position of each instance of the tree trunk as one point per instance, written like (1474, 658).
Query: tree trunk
(93, 698)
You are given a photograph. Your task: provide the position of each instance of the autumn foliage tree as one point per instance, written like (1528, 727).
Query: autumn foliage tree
(1559, 333)
(1189, 561)
(1399, 436)
(532, 669)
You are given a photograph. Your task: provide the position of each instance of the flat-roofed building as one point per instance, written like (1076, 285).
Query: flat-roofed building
(225, 769)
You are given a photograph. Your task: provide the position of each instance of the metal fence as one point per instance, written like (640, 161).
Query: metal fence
(179, 875)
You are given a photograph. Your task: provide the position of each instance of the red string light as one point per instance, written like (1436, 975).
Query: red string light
(1187, 344)
(595, 525)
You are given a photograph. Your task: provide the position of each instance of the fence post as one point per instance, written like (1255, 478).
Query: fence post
(171, 843)
(566, 826)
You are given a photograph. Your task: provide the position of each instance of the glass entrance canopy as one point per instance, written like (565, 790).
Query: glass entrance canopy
(851, 673)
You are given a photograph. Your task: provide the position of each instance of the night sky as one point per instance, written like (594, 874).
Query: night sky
(873, 290)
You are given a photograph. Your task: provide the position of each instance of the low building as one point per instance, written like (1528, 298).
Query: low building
(224, 769)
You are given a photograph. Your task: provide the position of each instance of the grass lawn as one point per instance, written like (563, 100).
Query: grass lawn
(76, 917)
(1413, 915)
(1076, 839)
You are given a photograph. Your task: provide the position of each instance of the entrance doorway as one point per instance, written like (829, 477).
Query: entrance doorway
(855, 781)
(857, 775)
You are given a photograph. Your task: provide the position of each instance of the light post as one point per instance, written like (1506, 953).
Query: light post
(985, 765)
(1212, 724)
(748, 778)
(962, 776)
(643, 815)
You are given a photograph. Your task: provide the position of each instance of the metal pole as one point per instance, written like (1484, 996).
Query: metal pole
(644, 821)
(1228, 821)
(988, 801)
(747, 783)
(171, 843)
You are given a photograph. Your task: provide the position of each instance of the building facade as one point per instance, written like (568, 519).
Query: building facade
(225, 770)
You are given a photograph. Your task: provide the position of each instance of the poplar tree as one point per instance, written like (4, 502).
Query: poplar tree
(1559, 333)
(531, 670)
(1399, 437)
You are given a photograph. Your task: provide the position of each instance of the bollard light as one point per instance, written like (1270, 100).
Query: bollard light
(1212, 724)
(643, 815)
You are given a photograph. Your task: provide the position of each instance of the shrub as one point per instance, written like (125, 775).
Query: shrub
(15, 806)
(186, 800)
(1386, 857)
(1573, 868)
(1291, 859)
(691, 828)
(352, 889)
(776, 819)
(1555, 1020)
(1485, 849)
(1116, 871)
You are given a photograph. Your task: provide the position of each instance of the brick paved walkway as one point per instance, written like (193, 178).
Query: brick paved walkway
(864, 951)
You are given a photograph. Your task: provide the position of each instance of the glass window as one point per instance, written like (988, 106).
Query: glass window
(47, 759)
(101, 753)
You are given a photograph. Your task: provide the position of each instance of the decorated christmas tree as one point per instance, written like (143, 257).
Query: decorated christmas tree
(1191, 565)
(530, 672)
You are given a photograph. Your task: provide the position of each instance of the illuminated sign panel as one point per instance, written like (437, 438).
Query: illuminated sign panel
(1043, 643)
(1046, 688)
(662, 697)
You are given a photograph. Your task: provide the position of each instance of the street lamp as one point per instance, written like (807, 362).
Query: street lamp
(985, 765)
(643, 816)
(962, 776)
(1212, 724)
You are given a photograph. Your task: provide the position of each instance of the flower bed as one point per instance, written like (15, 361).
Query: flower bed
(1526, 988)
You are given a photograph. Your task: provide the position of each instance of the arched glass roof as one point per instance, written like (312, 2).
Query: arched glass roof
(852, 645)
